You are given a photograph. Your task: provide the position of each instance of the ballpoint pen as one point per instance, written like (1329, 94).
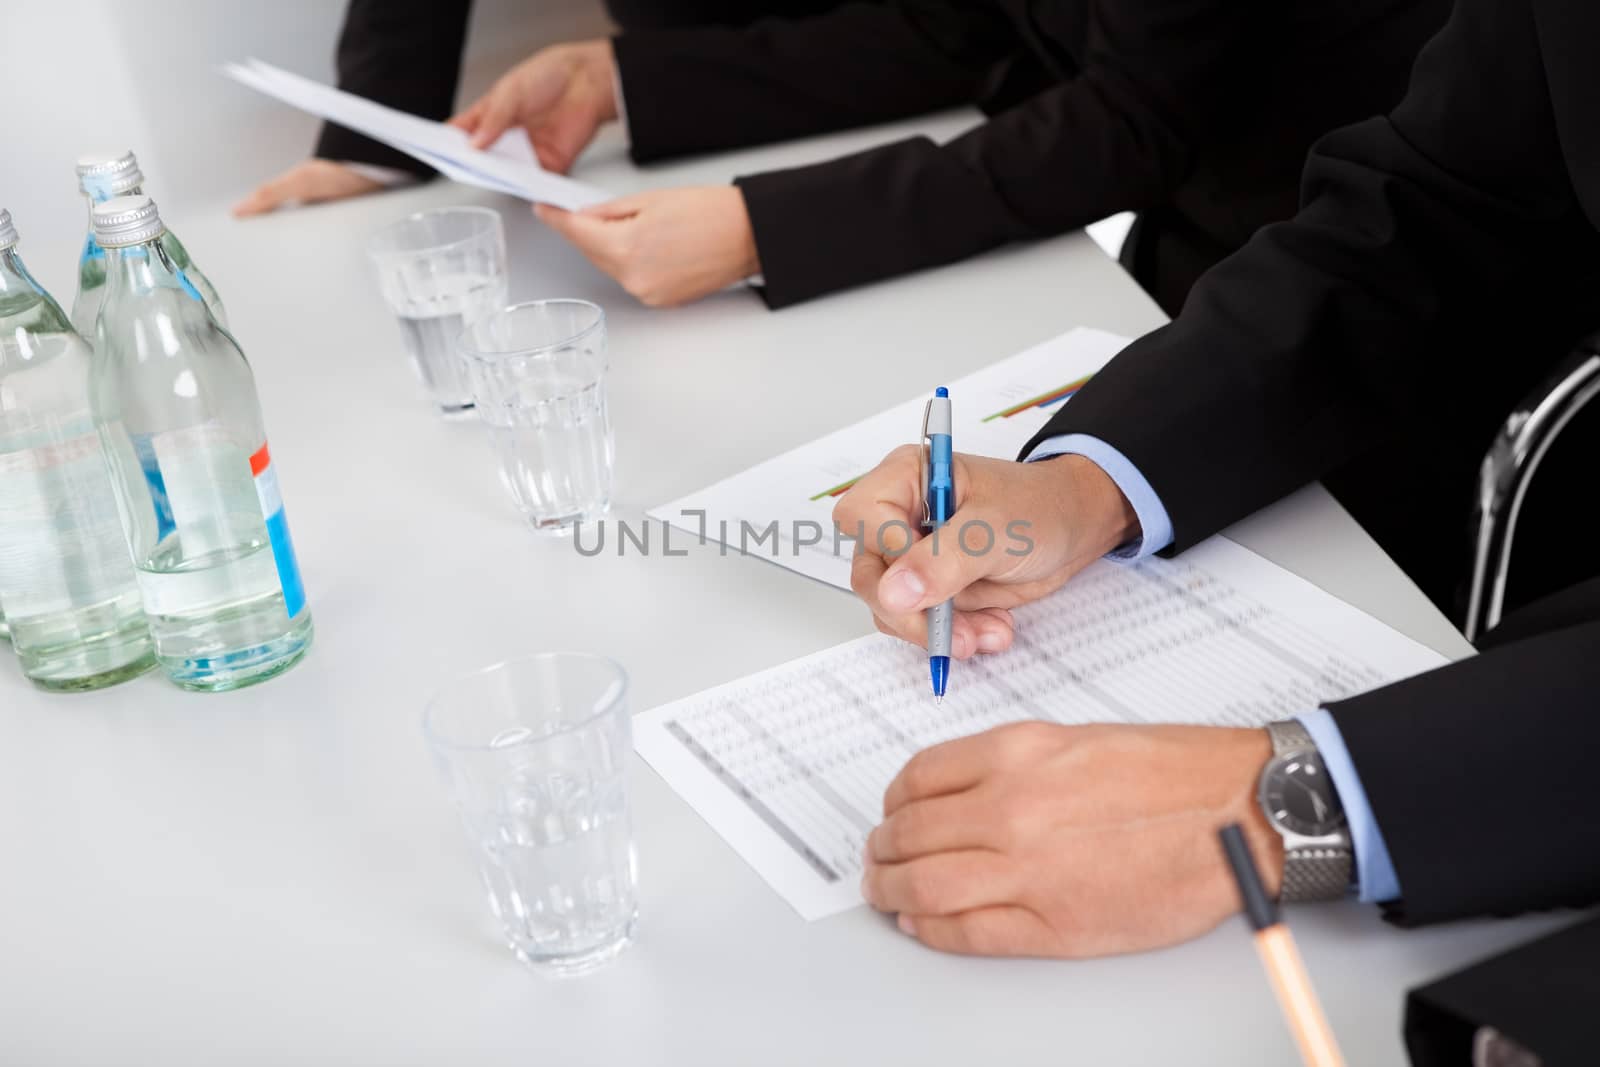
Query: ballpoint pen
(938, 503)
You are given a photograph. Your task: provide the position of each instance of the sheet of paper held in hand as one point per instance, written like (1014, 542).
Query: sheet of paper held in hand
(508, 166)
(790, 765)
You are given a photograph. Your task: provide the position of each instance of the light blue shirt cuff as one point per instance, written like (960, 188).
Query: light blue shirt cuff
(1153, 519)
(1374, 869)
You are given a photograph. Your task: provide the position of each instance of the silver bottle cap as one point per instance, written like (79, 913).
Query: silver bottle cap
(126, 221)
(8, 232)
(109, 174)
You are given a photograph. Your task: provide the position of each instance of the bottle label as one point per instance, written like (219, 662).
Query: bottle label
(61, 543)
(266, 478)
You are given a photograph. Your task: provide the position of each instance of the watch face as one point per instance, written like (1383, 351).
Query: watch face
(1298, 795)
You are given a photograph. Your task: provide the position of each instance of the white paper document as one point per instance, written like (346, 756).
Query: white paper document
(790, 765)
(782, 509)
(508, 166)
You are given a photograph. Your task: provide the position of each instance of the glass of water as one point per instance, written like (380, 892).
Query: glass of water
(539, 373)
(535, 752)
(439, 271)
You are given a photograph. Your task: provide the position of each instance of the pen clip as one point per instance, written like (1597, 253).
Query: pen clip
(927, 466)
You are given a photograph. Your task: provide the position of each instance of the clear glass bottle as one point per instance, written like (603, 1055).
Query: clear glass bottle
(176, 406)
(102, 176)
(67, 584)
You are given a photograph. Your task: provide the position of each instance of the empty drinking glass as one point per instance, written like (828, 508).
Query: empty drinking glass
(535, 752)
(439, 271)
(539, 373)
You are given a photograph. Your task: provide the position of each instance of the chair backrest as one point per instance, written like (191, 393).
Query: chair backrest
(1509, 467)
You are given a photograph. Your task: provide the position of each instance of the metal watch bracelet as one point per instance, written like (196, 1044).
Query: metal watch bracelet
(1313, 868)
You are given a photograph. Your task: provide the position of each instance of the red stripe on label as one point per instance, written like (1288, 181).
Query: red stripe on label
(259, 461)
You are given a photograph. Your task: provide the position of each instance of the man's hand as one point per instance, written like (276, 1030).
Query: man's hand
(561, 96)
(310, 182)
(1020, 530)
(666, 247)
(1044, 840)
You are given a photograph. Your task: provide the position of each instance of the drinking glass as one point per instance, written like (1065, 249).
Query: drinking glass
(535, 752)
(539, 373)
(439, 271)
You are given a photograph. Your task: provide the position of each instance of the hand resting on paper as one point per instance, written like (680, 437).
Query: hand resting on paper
(665, 247)
(1020, 530)
(1038, 839)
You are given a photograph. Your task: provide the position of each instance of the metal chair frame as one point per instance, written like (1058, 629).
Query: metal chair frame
(1507, 471)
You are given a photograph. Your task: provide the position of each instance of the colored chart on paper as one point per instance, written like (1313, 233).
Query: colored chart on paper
(839, 490)
(1043, 400)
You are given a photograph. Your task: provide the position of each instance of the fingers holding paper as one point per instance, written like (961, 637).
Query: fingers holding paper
(561, 97)
(1020, 530)
(666, 247)
(1037, 839)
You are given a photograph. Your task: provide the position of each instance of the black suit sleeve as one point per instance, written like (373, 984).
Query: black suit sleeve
(405, 54)
(1118, 135)
(710, 88)
(1159, 76)
(1328, 332)
(1481, 776)
(1306, 348)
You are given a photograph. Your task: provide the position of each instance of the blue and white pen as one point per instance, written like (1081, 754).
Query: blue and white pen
(938, 504)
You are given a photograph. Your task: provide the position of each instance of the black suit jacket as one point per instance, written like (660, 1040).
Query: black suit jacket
(403, 53)
(1351, 335)
(407, 54)
(1197, 113)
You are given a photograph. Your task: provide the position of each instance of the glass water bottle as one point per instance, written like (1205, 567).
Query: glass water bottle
(176, 405)
(102, 176)
(67, 584)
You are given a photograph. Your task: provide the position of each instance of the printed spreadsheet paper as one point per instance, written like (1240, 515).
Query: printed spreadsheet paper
(994, 413)
(790, 765)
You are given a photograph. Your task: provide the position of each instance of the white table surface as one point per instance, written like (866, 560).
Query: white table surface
(273, 876)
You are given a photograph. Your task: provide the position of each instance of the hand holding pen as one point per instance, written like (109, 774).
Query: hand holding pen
(1022, 530)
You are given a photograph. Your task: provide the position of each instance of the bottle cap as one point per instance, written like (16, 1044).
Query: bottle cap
(126, 221)
(8, 232)
(109, 174)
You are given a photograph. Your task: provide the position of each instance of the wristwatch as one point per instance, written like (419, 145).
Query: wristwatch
(1300, 802)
